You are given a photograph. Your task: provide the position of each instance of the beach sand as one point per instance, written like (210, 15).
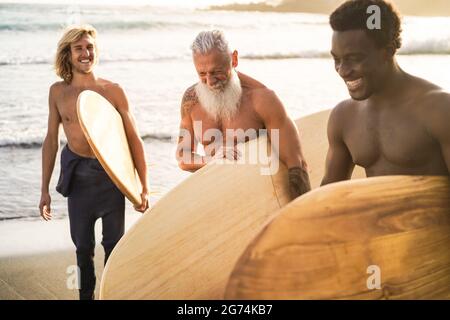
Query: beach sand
(41, 277)
(35, 255)
(39, 265)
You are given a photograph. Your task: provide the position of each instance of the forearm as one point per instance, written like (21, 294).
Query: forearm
(298, 181)
(191, 161)
(290, 153)
(140, 161)
(297, 171)
(338, 166)
(286, 142)
(49, 152)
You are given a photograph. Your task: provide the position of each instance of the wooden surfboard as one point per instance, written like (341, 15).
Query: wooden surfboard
(188, 244)
(103, 128)
(376, 238)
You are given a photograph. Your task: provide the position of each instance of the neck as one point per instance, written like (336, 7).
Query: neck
(83, 79)
(392, 83)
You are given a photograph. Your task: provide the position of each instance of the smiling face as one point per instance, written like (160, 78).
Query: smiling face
(359, 62)
(214, 68)
(219, 89)
(83, 54)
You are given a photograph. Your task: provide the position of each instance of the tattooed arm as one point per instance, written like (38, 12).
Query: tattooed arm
(186, 154)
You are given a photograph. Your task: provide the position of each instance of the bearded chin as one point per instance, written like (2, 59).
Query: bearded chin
(221, 104)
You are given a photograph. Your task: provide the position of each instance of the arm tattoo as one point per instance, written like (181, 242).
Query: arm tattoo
(298, 182)
(189, 100)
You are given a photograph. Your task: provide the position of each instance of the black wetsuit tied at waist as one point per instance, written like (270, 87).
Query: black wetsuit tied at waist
(69, 162)
(91, 195)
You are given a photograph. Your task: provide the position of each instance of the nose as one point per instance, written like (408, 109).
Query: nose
(210, 80)
(344, 69)
(86, 53)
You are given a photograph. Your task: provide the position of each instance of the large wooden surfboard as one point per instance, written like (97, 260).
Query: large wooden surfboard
(376, 238)
(103, 128)
(188, 244)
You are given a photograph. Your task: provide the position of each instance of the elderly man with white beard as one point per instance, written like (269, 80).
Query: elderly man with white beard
(230, 101)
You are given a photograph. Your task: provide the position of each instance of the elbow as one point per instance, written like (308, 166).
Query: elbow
(182, 165)
(185, 167)
(50, 143)
(181, 160)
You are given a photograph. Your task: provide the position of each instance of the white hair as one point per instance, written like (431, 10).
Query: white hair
(208, 40)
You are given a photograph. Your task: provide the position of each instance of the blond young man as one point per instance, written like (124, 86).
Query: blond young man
(90, 192)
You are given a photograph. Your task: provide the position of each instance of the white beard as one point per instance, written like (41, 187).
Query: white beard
(222, 103)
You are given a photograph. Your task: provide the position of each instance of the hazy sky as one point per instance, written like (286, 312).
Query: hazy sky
(184, 3)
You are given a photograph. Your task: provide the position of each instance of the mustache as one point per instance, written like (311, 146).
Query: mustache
(223, 102)
(220, 86)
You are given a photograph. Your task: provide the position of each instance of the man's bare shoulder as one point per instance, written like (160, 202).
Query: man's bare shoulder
(430, 93)
(435, 105)
(424, 92)
(257, 91)
(113, 92)
(342, 115)
(189, 100)
(110, 86)
(422, 86)
(266, 102)
(434, 114)
(250, 83)
(263, 94)
(344, 110)
(57, 87)
(429, 97)
(57, 93)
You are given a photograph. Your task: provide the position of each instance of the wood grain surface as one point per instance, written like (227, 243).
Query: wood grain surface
(325, 244)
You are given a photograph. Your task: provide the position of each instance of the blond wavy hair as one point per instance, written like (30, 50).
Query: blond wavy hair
(63, 66)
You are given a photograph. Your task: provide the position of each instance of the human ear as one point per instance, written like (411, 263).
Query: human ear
(234, 59)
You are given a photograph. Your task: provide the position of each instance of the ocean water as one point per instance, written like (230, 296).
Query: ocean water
(146, 50)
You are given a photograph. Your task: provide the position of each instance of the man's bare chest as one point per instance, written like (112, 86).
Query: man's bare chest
(66, 103)
(398, 139)
(244, 126)
(67, 107)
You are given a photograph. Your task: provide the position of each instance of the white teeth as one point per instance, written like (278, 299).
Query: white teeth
(353, 85)
(84, 61)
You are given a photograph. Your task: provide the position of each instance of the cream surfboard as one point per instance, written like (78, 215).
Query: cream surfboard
(376, 238)
(103, 128)
(188, 244)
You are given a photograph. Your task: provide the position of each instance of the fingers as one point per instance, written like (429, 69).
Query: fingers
(46, 212)
(141, 208)
(233, 154)
(220, 154)
(44, 207)
(144, 203)
(229, 153)
(237, 154)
